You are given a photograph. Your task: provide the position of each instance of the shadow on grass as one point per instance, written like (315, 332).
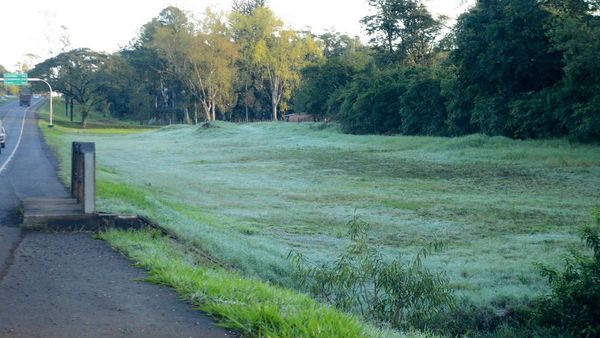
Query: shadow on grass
(104, 124)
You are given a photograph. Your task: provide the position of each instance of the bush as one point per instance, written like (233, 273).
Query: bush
(422, 107)
(406, 295)
(537, 115)
(371, 102)
(574, 303)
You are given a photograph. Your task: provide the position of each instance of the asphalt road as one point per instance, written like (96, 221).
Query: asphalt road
(70, 285)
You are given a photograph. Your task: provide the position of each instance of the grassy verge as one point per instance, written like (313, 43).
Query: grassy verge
(251, 307)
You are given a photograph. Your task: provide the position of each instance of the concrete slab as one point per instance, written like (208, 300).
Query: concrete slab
(38, 213)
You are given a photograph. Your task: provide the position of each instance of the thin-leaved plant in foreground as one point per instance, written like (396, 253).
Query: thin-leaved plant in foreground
(398, 292)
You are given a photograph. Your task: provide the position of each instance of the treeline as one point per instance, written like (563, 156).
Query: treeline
(518, 68)
(241, 66)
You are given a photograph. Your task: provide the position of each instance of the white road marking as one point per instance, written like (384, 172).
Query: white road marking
(3, 167)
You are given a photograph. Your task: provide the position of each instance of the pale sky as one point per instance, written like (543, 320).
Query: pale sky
(34, 26)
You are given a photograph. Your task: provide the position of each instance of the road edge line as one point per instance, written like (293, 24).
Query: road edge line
(10, 157)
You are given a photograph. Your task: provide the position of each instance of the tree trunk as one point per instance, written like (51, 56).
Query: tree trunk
(212, 108)
(246, 90)
(187, 116)
(173, 105)
(71, 109)
(105, 109)
(84, 117)
(276, 92)
(66, 106)
(206, 107)
(157, 114)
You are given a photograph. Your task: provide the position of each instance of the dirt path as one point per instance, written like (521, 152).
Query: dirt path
(70, 285)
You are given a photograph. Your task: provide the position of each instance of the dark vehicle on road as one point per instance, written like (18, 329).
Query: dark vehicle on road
(25, 96)
(2, 136)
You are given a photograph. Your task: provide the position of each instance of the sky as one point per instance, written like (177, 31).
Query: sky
(33, 29)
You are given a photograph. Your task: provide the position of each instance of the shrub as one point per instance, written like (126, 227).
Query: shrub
(574, 303)
(422, 108)
(371, 102)
(403, 294)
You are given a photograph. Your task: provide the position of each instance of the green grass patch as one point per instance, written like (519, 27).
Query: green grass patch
(250, 307)
(135, 197)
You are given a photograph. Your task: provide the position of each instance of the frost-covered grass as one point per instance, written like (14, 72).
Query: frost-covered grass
(247, 194)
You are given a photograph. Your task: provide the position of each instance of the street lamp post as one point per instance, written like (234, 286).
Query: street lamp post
(49, 87)
(34, 79)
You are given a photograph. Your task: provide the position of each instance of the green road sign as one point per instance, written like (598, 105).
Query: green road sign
(15, 79)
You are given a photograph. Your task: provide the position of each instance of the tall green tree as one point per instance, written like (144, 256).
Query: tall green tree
(199, 58)
(146, 69)
(127, 92)
(211, 57)
(248, 29)
(403, 30)
(76, 74)
(322, 82)
(169, 35)
(151, 69)
(575, 33)
(502, 52)
(280, 56)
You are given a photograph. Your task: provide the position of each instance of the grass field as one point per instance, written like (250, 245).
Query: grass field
(248, 194)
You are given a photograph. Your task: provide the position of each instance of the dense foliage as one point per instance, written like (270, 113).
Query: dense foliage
(573, 304)
(518, 68)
